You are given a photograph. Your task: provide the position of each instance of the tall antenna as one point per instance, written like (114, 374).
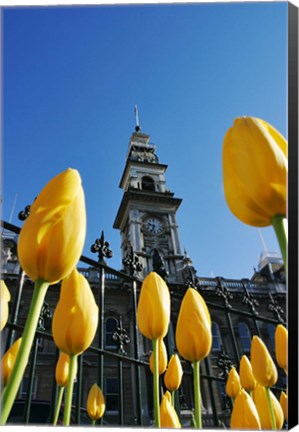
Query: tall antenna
(13, 208)
(137, 127)
(263, 241)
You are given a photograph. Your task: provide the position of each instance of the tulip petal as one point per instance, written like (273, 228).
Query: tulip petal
(193, 330)
(162, 358)
(153, 312)
(260, 399)
(174, 373)
(4, 300)
(283, 400)
(244, 414)
(75, 318)
(8, 360)
(233, 385)
(263, 367)
(95, 403)
(247, 379)
(255, 170)
(168, 415)
(52, 237)
(281, 346)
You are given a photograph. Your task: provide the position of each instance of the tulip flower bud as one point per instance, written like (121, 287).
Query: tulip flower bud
(263, 367)
(283, 400)
(174, 373)
(244, 414)
(259, 396)
(62, 369)
(193, 330)
(4, 300)
(162, 355)
(281, 346)
(8, 360)
(95, 403)
(168, 415)
(233, 385)
(52, 237)
(75, 318)
(168, 396)
(153, 312)
(255, 170)
(247, 379)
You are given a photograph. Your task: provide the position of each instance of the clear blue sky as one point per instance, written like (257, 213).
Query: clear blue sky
(71, 78)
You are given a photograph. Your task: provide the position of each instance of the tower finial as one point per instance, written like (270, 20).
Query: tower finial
(137, 127)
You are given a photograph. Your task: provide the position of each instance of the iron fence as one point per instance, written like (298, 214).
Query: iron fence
(121, 355)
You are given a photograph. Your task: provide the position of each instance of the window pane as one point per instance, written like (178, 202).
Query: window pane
(111, 325)
(110, 328)
(111, 394)
(216, 340)
(112, 385)
(112, 402)
(245, 337)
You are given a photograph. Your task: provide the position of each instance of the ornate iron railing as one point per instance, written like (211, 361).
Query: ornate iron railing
(229, 302)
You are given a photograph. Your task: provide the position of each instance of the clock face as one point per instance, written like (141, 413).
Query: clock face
(153, 225)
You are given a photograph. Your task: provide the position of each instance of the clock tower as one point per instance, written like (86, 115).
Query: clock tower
(146, 216)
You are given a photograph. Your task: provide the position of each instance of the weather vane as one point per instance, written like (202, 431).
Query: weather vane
(137, 127)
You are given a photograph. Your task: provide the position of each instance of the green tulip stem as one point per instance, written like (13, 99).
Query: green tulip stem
(173, 398)
(93, 423)
(13, 384)
(58, 405)
(280, 225)
(270, 405)
(69, 391)
(156, 384)
(197, 397)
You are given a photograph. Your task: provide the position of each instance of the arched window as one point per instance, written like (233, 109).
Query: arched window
(111, 325)
(148, 183)
(245, 336)
(216, 337)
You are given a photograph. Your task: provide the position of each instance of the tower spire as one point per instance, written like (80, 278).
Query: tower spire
(137, 127)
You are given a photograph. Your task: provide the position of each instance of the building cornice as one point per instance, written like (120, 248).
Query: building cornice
(133, 194)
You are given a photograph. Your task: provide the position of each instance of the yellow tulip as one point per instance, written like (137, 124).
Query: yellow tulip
(281, 346)
(4, 300)
(62, 370)
(247, 379)
(174, 373)
(193, 330)
(263, 367)
(168, 396)
(8, 360)
(52, 237)
(244, 413)
(260, 399)
(95, 403)
(75, 318)
(283, 400)
(162, 355)
(153, 312)
(255, 170)
(233, 385)
(168, 415)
